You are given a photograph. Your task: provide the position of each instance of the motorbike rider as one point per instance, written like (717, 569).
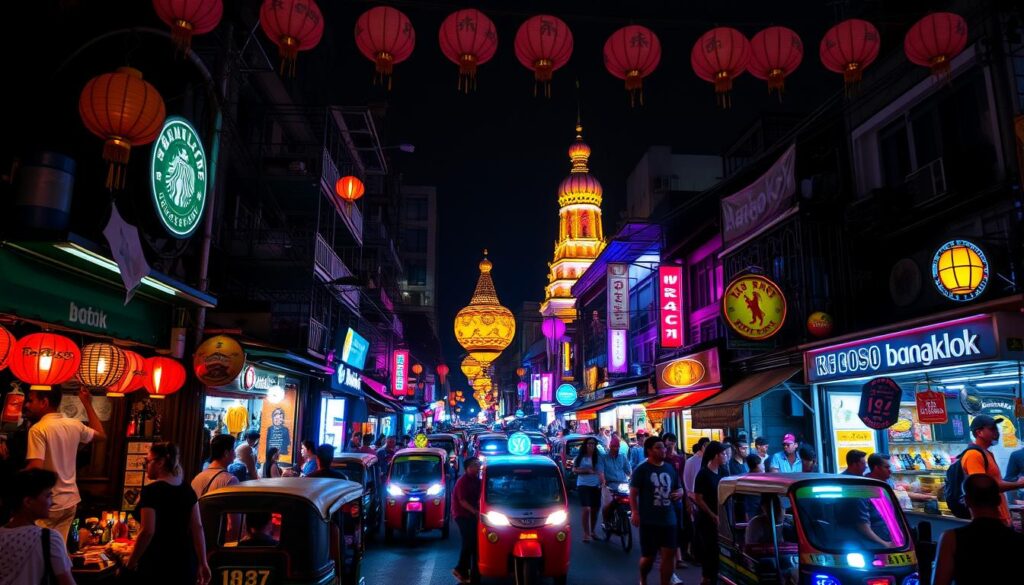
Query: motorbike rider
(612, 469)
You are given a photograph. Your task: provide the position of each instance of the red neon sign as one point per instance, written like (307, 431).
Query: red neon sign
(670, 300)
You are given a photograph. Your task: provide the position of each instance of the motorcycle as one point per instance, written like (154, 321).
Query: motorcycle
(619, 524)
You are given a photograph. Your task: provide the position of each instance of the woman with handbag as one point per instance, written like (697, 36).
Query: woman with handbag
(32, 555)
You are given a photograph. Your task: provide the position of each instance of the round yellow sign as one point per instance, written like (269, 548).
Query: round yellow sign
(754, 307)
(420, 440)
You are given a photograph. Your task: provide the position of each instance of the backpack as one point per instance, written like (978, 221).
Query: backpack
(954, 488)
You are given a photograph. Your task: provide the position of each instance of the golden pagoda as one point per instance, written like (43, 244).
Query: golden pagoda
(580, 234)
(484, 328)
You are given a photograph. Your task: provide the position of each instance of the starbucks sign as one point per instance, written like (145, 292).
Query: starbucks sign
(178, 174)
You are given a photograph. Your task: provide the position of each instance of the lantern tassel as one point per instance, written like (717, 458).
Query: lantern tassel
(777, 82)
(181, 36)
(467, 72)
(940, 67)
(542, 72)
(851, 79)
(289, 51)
(723, 89)
(635, 87)
(385, 65)
(116, 152)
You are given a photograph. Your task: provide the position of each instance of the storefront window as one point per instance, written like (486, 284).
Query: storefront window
(332, 422)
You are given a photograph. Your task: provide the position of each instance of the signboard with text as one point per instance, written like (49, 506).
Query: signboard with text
(670, 303)
(618, 351)
(178, 174)
(753, 208)
(754, 307)
(354, 349)
(880, 403)
(618, 296)
(400, 372)
(931, 407)
(686, 374)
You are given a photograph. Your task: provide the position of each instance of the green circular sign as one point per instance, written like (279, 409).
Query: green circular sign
(178, 173)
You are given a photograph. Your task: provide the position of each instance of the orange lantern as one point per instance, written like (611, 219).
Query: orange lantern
(134, 375)
(44, 360)
(123, 110)
(349, 188)
(417, 369)
(163, 376)
(102, 366)
(520, 372)
(7, 342)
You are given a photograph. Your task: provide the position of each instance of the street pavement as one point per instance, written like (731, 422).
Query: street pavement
(429, 561)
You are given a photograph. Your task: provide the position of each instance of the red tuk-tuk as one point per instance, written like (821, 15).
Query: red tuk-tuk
(524, 520)
(416, 493)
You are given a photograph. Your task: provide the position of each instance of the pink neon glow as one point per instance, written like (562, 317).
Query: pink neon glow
(617, 351)
(884, 507)
(904, 333)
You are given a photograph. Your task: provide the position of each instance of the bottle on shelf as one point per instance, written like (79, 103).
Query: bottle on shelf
(107, 524)
(121, 529)
(73, 538)
(133, 527)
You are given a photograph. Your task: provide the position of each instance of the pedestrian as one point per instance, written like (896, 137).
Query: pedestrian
(605, 436)
(677, 460)
(368, 444)
(53, 443)
(385, 453)
(245, 466)
(738, 461)
(690, 471)
(612, 469)
(170, 547)
(270, 466)
(787, 460)
(308, 454)
(985, 550)
(324, 458)
(216, 475)
(653, 492)
(355, 444)
(761, 447)
(713, 469)
(636, 449)
(29, 495)
(754, 463)
(588, 485)
(977, 458)
(808, 459)
(466, 496)
(856, 463)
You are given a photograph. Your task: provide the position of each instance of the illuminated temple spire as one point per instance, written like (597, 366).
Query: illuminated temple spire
(580, 233)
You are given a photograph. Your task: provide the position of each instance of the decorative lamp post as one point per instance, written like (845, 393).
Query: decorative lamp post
(44, 360)
(188, 18)
(385, 36)
(292, 25)
(163, 376)
(133, 378)
(484, 328)
(103, 365)
(543, 44)
(468, 39)
(631, 54)
(349, 188)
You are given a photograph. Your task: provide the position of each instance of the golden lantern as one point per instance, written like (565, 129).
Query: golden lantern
(470, 367)
(102, 366)
(960, 270)
(485, 328)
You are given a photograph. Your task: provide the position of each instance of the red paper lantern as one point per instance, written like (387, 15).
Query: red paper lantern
(775, 52)
(7, 342)
(163, 376)
(292, 25)
(123, 110)
(189, 17)
(43, 360)
(632, 53)
(468, 38)
(134, 375)
(543, 44)
(349, 188)
(934, 40)
(848, 48)
(719, 56)
(417, 369)
(385, 36)
(442, 372)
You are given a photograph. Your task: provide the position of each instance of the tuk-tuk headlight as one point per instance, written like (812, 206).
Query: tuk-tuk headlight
(824, 579)
(434, 489)
(558, 517)
(912, 579)
(855, 560)
(394, 490)
(496, 519)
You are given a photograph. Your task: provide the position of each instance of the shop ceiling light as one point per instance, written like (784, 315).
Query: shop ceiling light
(96, 259)
(997, 384)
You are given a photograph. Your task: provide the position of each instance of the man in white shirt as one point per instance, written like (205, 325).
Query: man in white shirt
(216, 476)
(53, 443)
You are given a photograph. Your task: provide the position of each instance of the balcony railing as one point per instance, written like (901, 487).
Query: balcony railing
(329, 267)
(349, 212)
(317, 342)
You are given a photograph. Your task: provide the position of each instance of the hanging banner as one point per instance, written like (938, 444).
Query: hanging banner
(670, 299)
(880, 403)
(618, 296)
(752, 209)
(618, 351)
(931, 407)
(400, 372)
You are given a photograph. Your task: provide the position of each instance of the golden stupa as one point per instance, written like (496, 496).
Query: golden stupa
(484, 327)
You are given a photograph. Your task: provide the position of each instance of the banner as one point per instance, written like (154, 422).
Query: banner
(618, 296)
(753, 208)
(618, 351)
(670, 303)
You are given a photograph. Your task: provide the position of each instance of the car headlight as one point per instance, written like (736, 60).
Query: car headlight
(434, 489)
(394, 490)
(558, 517)
(496, 519)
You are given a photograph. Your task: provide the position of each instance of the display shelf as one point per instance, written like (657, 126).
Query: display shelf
(920, 472)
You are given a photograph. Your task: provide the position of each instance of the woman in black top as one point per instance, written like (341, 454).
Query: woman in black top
(170, 547)
(705, 491)
(270, 466)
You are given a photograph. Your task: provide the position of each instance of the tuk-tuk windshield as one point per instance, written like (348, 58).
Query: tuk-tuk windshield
(416, 469)
(523, 487)
(494, 446)
(352, 470)
(847, 518)
(446, 444)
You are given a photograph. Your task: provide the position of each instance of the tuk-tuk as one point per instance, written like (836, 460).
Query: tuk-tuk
(490, 444)
(828, 530)
(286, 531)
(363, 469)
(524, 520)
(450, 443)
(416, 493)
(539, 444)
(567, 451)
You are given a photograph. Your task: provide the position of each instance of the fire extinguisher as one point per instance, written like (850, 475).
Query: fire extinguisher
(10, 419)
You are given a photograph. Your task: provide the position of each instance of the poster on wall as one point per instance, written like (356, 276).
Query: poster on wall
(277, 423)
(848, 431)
(134, 474)
(1000, 407)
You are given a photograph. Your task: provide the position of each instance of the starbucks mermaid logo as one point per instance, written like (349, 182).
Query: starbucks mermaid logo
(181, 179)
(178, 174)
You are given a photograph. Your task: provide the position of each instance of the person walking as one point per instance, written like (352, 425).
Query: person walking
(715, 461)
(985, 550)
(29, 553)
(216, 475)
(466, 510)
(691, 546)
(588, 485)
(368, 444)
(53, 443)
(787, 460)
(170, 547)
(385, 453)
(612, 470)
(856, 463)
(270, 466)
(654, 491)
(977, 459)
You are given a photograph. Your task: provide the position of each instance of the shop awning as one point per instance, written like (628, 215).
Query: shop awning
(726, 409)
(587, 414)
(374, 400)
(681, 401)
(284, 360)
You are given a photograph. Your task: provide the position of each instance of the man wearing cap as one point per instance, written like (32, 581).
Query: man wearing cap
(986, 433)
(787, 461)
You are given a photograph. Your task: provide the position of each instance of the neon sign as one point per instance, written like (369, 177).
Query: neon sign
(400, 372)
(618, 352)
(670, 299)
(960, 270)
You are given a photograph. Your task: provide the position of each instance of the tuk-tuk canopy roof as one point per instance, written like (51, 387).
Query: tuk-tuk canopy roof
(443, 436)
(327, 495)
(367, 459)
(491, 436)
(422, 451)
(782, 483)
(578, 437)
(520, 461)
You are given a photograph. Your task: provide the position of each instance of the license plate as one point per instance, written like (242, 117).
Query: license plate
(414, 507)
(246, 576)
(900, 559)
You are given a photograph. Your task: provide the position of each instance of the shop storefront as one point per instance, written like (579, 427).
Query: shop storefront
(948, 372)
(382, 412)
(617, 407)
(682, 383)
